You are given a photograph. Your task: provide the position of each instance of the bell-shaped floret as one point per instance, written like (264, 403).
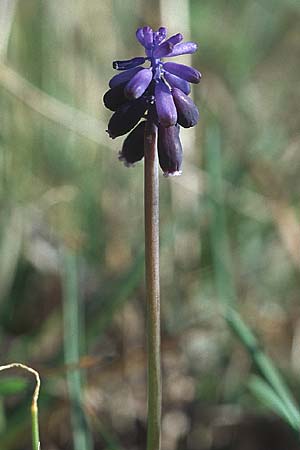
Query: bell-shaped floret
(123, 77)
(187, 111)
(129, 63)
(126, 117)
(187, 73)
(115, 97)
(140, 36)
(183, 48)
(169, 150)
(159, 35)
(133, 146)
(138, 84)
(148, 37)
(176, 82)
(165, 107)
(175, 39)
(163, 50)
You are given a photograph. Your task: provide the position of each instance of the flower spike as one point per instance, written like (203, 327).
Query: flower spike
(158, 91)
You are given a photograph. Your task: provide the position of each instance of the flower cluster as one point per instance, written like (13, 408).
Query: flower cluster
(159, 92)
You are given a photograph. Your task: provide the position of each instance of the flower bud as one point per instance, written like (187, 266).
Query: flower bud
(165, 107)
(175, 39)
(138, 84)
(115, 97)
(163, 50)
(148, 37)
(187, 111)
(140, 36)
(176, 82)
(126, 117)
(169, 150)
(160, 35)
(124, 76)
(128, 63)
(133, 146)
(183, 49)
(187, 73)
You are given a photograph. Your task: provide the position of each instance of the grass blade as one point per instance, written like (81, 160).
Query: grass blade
(81, 436)
(225, 284)
(219, 236)
(263, 363)
(268, 396)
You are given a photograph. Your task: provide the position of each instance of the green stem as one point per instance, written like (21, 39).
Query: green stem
(34, 405)
(151, 198)
(35, 428)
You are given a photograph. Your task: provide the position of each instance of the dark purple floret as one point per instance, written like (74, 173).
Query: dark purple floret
(115, 97)
(150, 88)
(187, 111)
(169, 150)
(133, 146)
(126, 117)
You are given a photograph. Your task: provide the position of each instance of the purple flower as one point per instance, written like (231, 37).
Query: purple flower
(126, 117)
(187, 111)
(138, 84)
(170, 150)
(150, 88)
(133, 146)
(165, 106)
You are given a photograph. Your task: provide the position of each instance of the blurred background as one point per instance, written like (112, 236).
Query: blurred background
(72, 300)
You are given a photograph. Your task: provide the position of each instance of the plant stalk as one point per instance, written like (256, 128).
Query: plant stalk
(151, 204)
(34, 405)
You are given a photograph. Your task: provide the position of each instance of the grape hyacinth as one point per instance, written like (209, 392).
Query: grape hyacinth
(159, 92)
